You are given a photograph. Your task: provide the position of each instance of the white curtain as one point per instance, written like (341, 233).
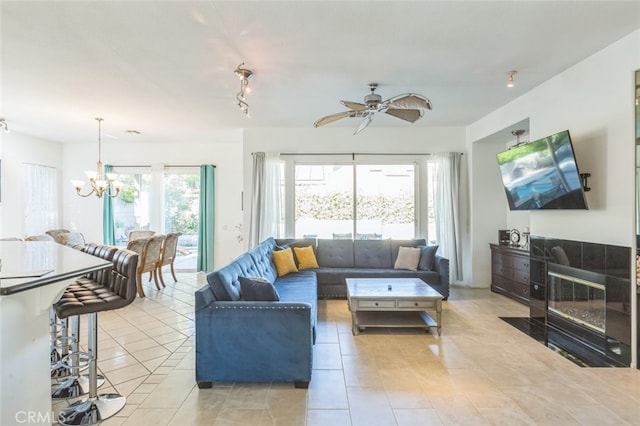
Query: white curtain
(156, 198)
(447, 211)
(257, 195)
(271, 217)
(40, 193)
(266, 214)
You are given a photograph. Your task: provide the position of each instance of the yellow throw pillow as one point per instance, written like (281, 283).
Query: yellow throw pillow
(284, 262)
(306, 257)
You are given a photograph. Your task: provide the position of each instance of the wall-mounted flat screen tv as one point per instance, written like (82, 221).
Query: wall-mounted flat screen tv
(542, 174)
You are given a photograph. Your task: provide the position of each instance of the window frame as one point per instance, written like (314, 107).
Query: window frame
(420, 182)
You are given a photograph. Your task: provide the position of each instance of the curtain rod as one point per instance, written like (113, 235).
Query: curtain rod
(164, 165)
(40, 165)
(351, 153)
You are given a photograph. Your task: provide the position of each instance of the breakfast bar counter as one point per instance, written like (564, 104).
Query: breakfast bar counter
(33, 276)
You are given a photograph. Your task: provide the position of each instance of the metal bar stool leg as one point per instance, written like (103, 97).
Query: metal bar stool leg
(61, 345)
(53, 334)
(96, 407)
(75, 384)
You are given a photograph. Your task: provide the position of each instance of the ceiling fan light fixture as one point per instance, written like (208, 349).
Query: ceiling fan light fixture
(511, 78)
(408, 107)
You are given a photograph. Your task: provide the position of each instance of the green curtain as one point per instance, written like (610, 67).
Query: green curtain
(206, 223)
(108, 226)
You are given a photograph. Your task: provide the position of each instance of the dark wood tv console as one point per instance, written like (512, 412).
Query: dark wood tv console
(510, 272)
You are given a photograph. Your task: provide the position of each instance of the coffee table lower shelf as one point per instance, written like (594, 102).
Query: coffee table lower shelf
(392, 319)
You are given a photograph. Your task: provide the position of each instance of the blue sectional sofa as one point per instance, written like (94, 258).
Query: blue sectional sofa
(260, 341)
(340, 259)
(251, 341)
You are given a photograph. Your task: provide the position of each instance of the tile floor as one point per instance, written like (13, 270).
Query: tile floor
(482, 371)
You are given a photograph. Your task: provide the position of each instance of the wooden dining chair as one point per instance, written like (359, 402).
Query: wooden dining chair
(55, 233)
(149, 251)
(138, 233)
(169, 251)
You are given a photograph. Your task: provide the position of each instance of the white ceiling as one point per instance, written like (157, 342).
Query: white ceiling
(166, 68)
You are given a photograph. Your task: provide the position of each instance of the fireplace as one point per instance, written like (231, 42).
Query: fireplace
(580, 295)
(577, 300)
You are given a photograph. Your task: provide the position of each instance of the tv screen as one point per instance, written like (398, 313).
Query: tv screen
(542, 174)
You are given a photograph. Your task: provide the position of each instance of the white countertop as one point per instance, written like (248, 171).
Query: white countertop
(30, 264)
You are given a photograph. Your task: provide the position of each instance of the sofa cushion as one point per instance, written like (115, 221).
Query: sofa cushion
(296, 242)
(224, 281)
(332, 276)
(335, 253)
(408, 258)
(257, 289)
(305, 257)
(372, 253)
(284, 262)
(261, 255)
(427, 257)
(300, 287)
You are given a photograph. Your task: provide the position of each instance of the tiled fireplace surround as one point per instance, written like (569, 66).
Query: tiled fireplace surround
(607, 266)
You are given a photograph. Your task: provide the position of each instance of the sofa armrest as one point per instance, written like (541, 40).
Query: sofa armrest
(253, 342)
(442, 268)
(204, 297)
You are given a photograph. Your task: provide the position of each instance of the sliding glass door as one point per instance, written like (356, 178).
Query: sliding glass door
(181, 213)
(162, 199)
(361, 201)
(324, 201)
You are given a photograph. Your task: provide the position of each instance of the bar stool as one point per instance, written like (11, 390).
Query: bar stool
(72, 361)
(89, 298)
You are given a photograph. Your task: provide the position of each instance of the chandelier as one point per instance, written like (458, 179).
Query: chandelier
(243, 75)
(100, 182)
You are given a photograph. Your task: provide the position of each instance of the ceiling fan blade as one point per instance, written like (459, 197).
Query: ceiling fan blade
(409, 101)
(410, 115)
(356, 106)
(367, 120)
(333, 117)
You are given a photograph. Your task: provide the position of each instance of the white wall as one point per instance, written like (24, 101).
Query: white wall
(595, 101)
(85, 214)
(18, 149)
(374, 139)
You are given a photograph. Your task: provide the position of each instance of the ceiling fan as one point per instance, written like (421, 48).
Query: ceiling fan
(409, 107)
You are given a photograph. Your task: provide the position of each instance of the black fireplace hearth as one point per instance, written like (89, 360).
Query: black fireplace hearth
(561, 343)
(581, 299)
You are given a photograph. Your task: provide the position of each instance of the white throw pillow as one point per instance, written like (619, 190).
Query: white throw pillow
(408, 258)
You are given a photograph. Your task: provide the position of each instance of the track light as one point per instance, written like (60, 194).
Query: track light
(510, 79)
(4, 125)
(243, 74)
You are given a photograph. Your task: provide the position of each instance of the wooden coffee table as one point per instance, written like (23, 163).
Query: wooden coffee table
(392, 302)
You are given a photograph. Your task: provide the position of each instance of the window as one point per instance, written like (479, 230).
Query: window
(131, 209)
(162, 199)
(362, 201)
(181, 211)
(40, 198)
(324, 204)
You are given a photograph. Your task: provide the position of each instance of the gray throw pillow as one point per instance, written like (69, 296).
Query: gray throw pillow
(427, 258)
(257, 289)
